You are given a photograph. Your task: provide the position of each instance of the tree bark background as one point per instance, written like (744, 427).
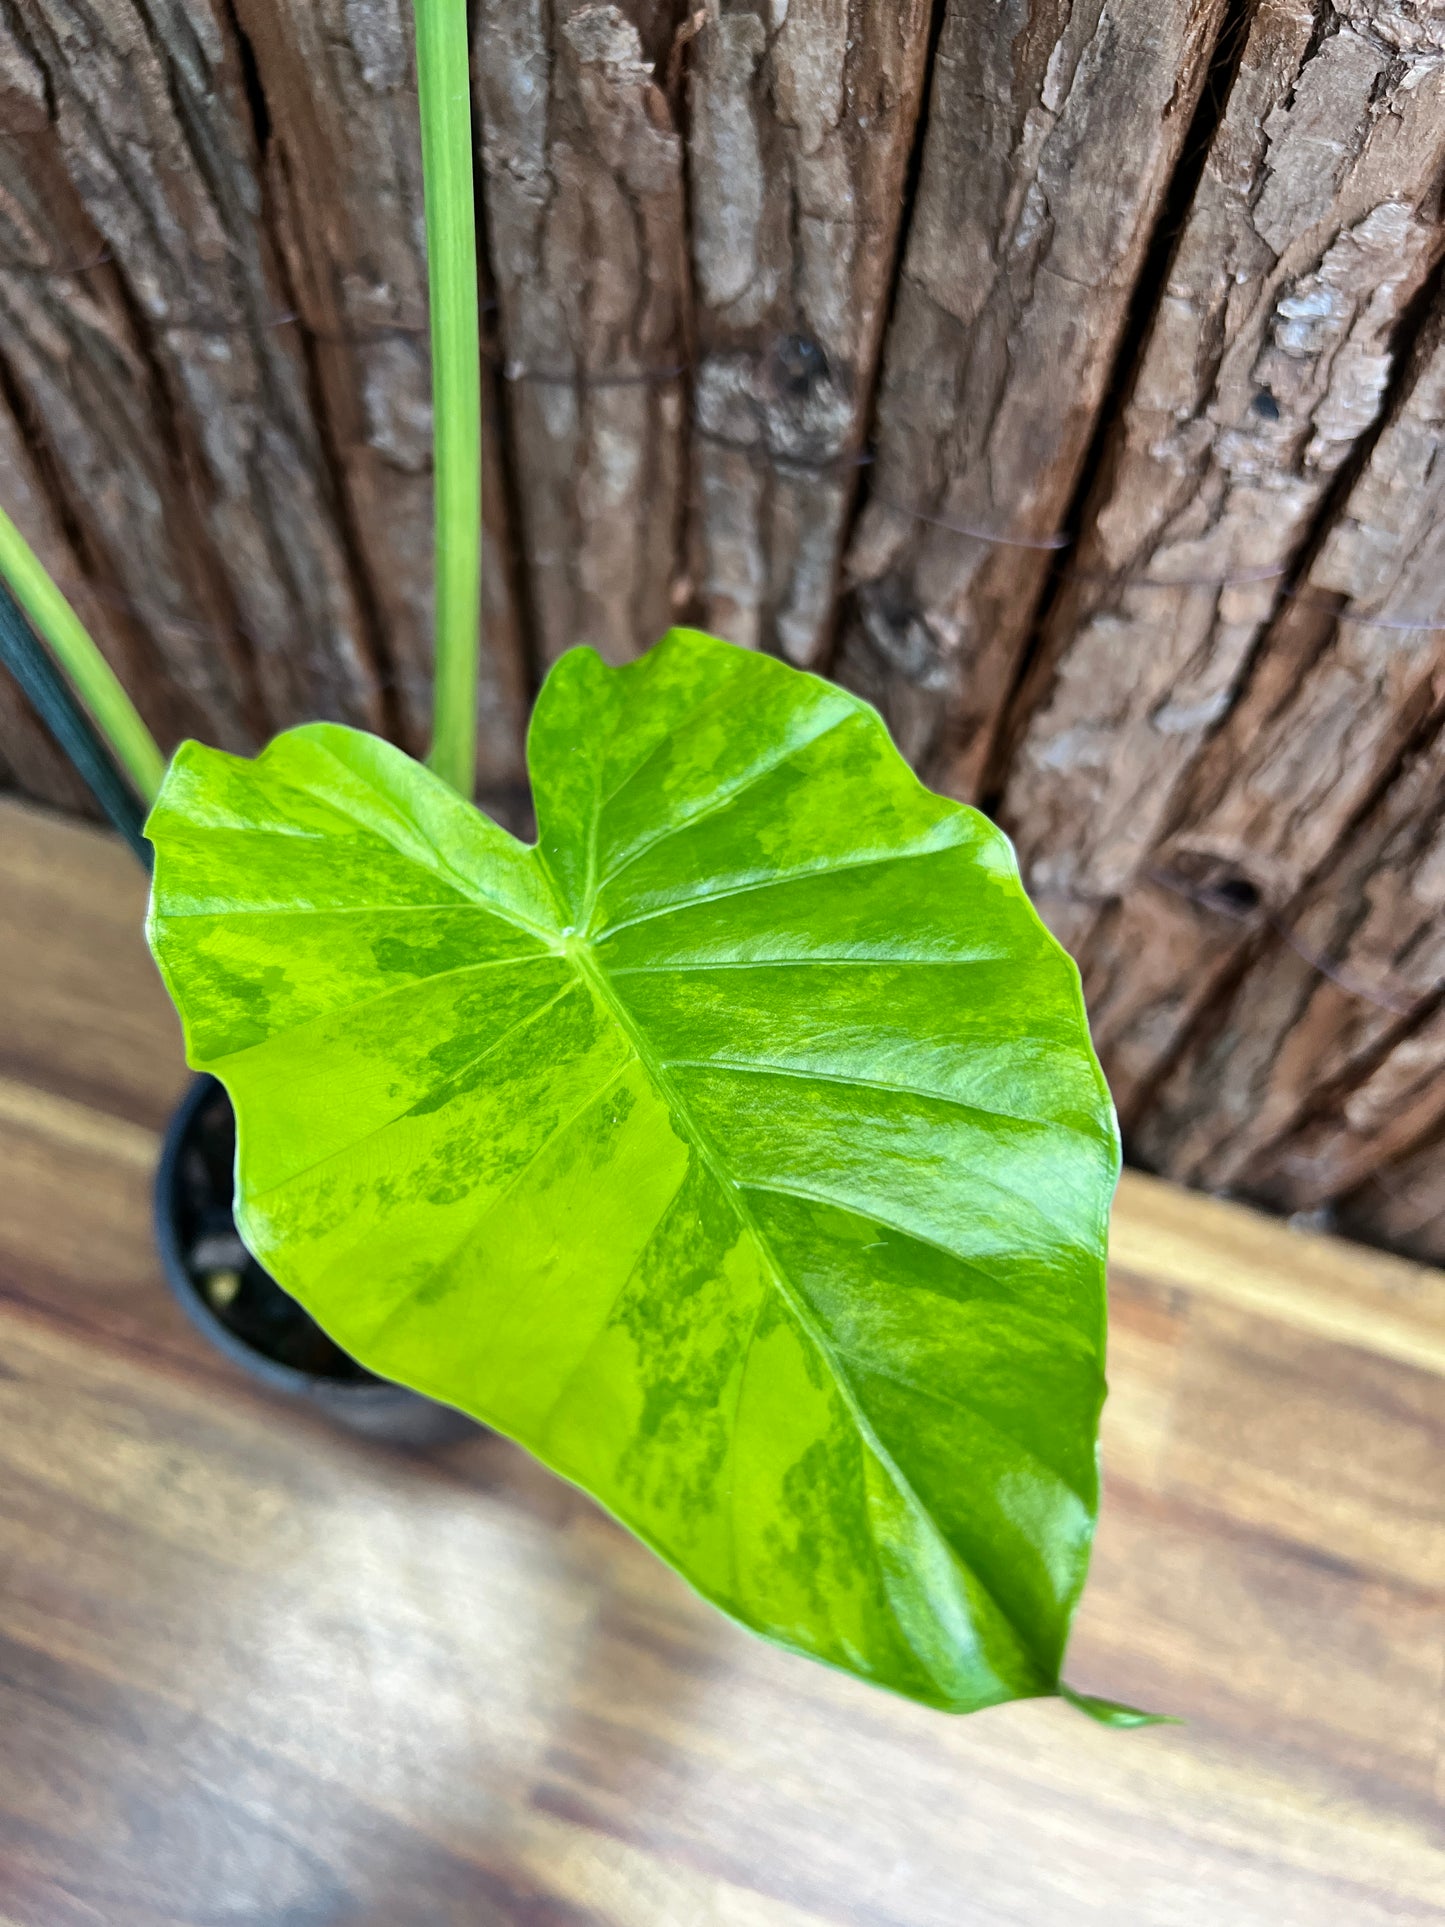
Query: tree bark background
(1068, 376)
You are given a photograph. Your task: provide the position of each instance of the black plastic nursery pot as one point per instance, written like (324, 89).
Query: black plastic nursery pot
(241, 1309)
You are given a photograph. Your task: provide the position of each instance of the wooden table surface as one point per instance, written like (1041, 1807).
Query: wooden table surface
(255, 1674)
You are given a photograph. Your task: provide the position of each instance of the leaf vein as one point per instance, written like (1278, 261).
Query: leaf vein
(803, 963)
(848, 1082)
(775, 882)
(423, 1096)
(437, 865)
(686, 720)
(723, 799)
(962, 1404)
(858, 1209)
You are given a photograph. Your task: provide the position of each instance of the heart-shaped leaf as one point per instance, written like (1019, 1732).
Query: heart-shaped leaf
(739, 1148)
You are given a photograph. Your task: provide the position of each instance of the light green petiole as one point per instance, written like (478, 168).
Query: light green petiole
(446, 140)
(91, 676)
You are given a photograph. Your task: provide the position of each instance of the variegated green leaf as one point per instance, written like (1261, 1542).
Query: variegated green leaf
(739, 1148)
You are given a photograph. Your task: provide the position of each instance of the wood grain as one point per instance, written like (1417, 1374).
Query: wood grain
(1321, 1287)
(248, 1665)
(1291, 1050)
(1052, 133)
(112, 501)
(1320, 1064)
(232, 399)
(1228, 802)
(1273, 353)
(582, 168)
(167, 365)
(802, 123)
(1399, 1204)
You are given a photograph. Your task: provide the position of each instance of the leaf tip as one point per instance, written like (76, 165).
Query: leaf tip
(1113, 1713)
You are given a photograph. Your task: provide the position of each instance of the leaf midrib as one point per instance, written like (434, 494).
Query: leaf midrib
(592, 970)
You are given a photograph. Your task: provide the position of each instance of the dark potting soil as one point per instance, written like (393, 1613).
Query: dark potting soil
(245, 1298)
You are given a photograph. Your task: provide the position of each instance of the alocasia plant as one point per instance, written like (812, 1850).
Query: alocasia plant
(739, 1147)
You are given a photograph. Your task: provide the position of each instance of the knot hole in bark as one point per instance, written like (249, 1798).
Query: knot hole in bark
(800, 366)
(1215, 882)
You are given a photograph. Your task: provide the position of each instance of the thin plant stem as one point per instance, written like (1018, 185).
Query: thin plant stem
(64, 715)
(94, 681)
(446, 142)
